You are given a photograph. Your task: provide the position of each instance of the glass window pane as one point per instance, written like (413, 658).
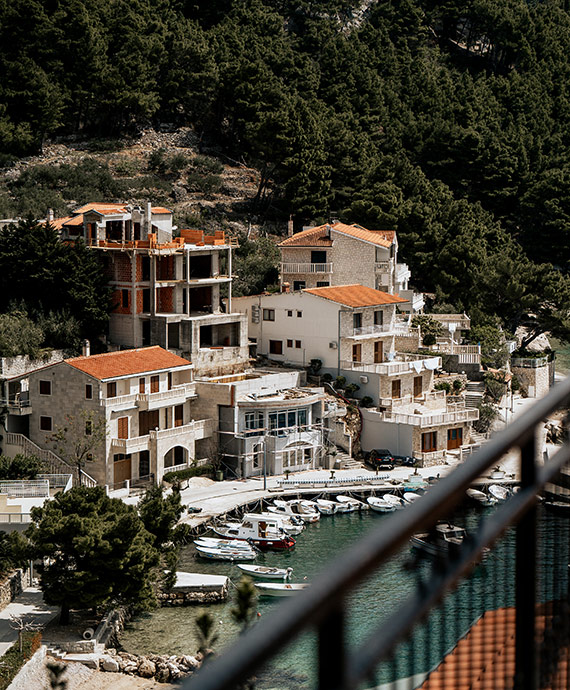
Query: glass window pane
(302, 417)
(291, 418)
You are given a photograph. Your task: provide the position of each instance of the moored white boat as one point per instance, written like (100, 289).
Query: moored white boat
(226, 554)
(481, 497)
(326, 507)
(292, 525)
(410, 496)
(443, 539)
(501, 493)
(393, 500)
(355, 502)
(298, 508)
(212, 543)
(265, 572)
(263, 531)
(279, 589)
(379, 505)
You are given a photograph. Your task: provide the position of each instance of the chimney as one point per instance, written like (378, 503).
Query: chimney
(50, 215)
(327, 230)
(86, 348)
(148, 218)
(290, 227)
(286, 287)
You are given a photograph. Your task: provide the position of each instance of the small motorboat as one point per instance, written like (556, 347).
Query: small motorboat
(379, 505)
(326, 507)
(345, 507)
(212, 543)
(442, 540)
(226, 554)
(410, 496)
(297, 508)
(394, 500)
(349, 500)
(279, 589)
(501, 493)
(292, 525)
(265, 532)
(481, 497)
(265, 572)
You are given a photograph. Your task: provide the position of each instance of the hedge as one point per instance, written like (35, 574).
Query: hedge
(198, 471)
(13, 660)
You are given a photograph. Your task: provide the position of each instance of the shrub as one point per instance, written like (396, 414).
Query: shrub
(457, 385)
(327, 377)
(487, 415)
(443, 386)
(340, 382)
(13, 660)
(515, 384)
(315, 366)
(366, 401)
(19, 467)
(180, 475)
(351, 388)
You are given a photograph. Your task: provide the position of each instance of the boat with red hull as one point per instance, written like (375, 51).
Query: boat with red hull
(267, 533)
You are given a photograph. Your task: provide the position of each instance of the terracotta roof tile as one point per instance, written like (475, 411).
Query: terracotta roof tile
(58, 223)
(100, 207)
(319, 236)
(159, 210)
(355, 295)
(126, 362)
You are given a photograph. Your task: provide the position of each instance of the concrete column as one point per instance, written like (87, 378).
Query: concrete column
(153, 285)
(230, 283)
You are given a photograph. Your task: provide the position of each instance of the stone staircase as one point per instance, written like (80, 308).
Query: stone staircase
(345, 462)
(89, 659)
(477, 437)
(474, 392)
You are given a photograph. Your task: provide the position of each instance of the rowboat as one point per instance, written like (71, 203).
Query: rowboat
(227, 554)
(481, 497)
(278, 589)
(349, 500)
(326, 507)
(393, 500)
(265, 572)
(410, 496)
(298, 508)
(379, 505)
(501, 493)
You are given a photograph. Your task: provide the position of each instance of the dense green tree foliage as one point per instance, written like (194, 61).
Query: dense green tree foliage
(446, 121)
(94, 549)
(62, 286)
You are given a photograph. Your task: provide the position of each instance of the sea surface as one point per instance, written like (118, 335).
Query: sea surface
(491, 585)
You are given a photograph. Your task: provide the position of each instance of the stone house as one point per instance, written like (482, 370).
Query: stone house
(147, 399)
(341, 254)
(166, 290)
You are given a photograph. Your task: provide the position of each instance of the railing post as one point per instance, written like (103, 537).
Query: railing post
(332, 652)
(526, 669)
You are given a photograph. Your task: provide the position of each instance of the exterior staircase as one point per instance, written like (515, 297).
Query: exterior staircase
(345, 462)
(474, 392)
(89, 659)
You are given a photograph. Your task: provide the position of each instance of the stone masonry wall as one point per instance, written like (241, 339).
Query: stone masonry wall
(13, 585)
(537, 379)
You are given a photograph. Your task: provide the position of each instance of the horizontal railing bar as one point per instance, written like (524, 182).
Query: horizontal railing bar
(309, 606)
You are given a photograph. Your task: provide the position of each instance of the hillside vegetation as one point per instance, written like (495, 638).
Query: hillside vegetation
(446, 121)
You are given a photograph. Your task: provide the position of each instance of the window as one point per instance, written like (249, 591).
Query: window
(154, 384)
(318, 257)
(429, 442)
(254, 420)
(142, 385)
(169, 380)
(269, 314)
(299, 314)
(112, 389)
(289, 312)
(302, 417)
(257, 455)
(323, 283)
(287, 419)
(299, 285)
(357, 320)
(175, 456)
(123, 427)
(179, 415)
(144, 463)
(357, 353)
(45, 424)
(276, 347)
(88, 428)
(396, 388)
(45, 387)
(289, 343)
(378, 352)
(298, 344)
(378, 317)
(88, 391)
(125, 299)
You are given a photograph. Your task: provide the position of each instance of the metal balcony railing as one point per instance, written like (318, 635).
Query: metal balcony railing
(299, 268)
(519, 641)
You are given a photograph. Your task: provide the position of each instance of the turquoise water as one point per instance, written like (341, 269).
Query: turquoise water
(172, 630)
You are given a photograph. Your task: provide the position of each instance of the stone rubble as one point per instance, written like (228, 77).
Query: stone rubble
(162, 668)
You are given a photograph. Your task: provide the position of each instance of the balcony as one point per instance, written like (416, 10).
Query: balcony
(18, 405)
(299, 269)
(131, 445)
(453, 322)
(174, 396)
(403, 273)
(402, 364)
(383, 267)
(199, 428)
(427, 420)
(394, 328)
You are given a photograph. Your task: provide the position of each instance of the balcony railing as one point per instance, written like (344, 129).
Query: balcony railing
(427, 420)
(377, 329)
(404, 365)
(509, 640)
(383, 266)
(529, 362)
(460, 321)
(145, 401)
(306, 268)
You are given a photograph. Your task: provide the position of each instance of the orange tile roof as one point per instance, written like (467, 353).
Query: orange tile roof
(58, 223)
(126, 362)
(160, 210)
(355, 295)
(319, 237)
(74, 220)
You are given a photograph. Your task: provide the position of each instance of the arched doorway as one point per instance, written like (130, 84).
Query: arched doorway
(176, 456)
(297, 454)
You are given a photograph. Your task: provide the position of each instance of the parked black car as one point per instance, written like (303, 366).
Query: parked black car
(405, 460)
(380, 458)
